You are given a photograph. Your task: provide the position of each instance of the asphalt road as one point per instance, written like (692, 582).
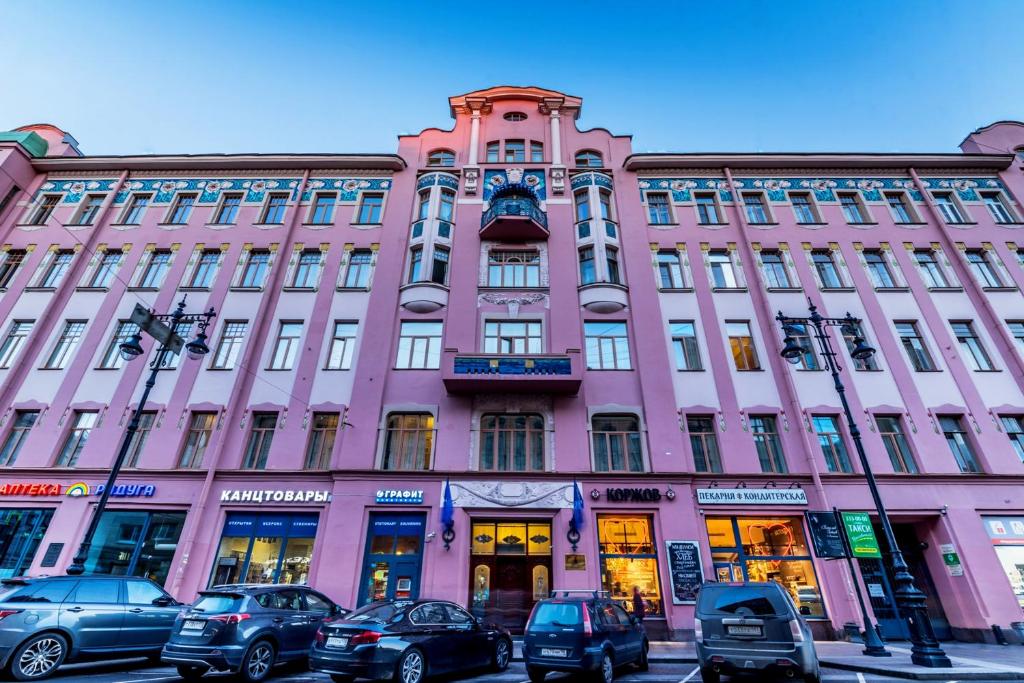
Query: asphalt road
(134, 671)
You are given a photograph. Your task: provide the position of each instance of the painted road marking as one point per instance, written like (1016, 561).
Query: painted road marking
(860, 677)
(690, 675)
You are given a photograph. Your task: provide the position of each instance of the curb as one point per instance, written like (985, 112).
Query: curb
(926, 675)
(654, 660)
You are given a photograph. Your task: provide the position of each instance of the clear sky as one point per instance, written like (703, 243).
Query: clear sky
(179, 76)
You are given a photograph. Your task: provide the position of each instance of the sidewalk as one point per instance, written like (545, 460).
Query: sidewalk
(971, 662)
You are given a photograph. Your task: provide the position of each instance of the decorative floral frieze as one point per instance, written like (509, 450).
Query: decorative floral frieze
(209, 189)
(965, 187)
(585, 179)
(681, 188)
(521, 298)
(441, 179)
(75, 188)
(533, 179)
(348, 188)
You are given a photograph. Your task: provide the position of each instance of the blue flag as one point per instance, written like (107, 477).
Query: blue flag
(447, 506)
(577, 507)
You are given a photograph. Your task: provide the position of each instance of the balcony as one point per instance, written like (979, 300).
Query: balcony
(472, 373)
(514, 214)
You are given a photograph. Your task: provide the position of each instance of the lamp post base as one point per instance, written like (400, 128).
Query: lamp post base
(873, 646)
(931, 657)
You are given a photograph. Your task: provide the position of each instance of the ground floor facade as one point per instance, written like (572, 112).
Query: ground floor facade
(361, 537)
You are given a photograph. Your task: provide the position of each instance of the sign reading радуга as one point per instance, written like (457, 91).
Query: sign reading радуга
(75, 490)
(751, 497)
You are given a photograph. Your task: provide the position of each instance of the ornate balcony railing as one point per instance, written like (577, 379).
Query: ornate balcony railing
(472, 373)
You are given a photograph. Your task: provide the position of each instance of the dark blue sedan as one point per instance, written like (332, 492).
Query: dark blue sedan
(406, 641)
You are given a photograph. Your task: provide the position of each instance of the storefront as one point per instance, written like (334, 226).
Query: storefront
(1007, 535)
(393, 558)
(21, 531)
(629, 559)
(510, 569)
(135, 543)
(265, 548)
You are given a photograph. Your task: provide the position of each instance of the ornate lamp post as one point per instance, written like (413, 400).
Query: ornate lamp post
(925, 649)
(162, 328)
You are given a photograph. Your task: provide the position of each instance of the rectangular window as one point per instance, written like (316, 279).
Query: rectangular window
(205, 269)
(670, 270)
(260, 437)
(124, 331)
(773, 265)
(287, 345)
(55, 271)
(588, 272)
(512, 443)
(825, 267)
(971, 348)
(800, 335)
(307, 270)
(890, 428)
(360, 265)
(1013, 425)
(82, 422)
(723, 273)
(611, 259)
(684, 344)
(492, 153)
(536, 152)
(446, 205)
(419, 346)
(658, 212)
(898, 208)
(765, 430)
(136, 209)
(981, 265)
(321, 440)
(200, 429)
(156, 268)
(582, 198)
(704, 443)
(273, 211)
(803, 209)
(146, 420)
(323, 208)
(182, 209)
(513, 269)
(1016, 329)
(953, 430)
(753, 204)
(182, 329)
(90, 209)
(878, 269)
(515, 151)
(852, 210)
(415, 263)
(617, 444)
(343, 344)
(423, 211)
(20, 427)
(850, 334)
(707, 208)
(66, 343)
(106, 269)
(254, 273)
(6, 201)
(995, 205)
(512, 337)
(371, 206)
(831, 442)
(948, 207)
(913, 343)
(931, 272)
(17, 333)
(12, 261)
(44, 210)
(229, 346)
(741, 344)
(439, 271)
(607, 346)
(408, 441)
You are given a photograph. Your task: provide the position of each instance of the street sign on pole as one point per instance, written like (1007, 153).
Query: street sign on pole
(152, 326)
(861, 534)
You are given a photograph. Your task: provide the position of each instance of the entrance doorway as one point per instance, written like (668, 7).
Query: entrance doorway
(393, 558)
(510, 570)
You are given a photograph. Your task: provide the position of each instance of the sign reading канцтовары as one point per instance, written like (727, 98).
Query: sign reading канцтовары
(751, 497)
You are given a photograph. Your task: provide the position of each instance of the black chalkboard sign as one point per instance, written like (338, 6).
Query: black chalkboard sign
(826, 535)
(51, 555)
(685, 570)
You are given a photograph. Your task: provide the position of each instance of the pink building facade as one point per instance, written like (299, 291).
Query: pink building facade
(525, 315)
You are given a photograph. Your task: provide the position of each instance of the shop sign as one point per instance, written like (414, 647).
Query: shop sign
(51, 555)
(33, 489)
(751, 497)
(826, 534)
(1005, 530)
(76, 490)
(684, 568)
(860, 534)
(632, 495)
(399, 496)
(951, 559)
(575, 562)
(126, 490)
(273, 496)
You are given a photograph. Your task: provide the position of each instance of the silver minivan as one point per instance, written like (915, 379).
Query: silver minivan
(45, 622)
(752, 628)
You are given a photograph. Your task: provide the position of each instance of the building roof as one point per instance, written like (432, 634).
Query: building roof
(152, 162)
(651, 161)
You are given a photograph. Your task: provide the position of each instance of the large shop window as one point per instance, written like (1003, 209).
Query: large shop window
(1007, 534)
(393, 559)
(135, 543)
(265, 549)
(629, 558)
(21, 531)
(766, 549)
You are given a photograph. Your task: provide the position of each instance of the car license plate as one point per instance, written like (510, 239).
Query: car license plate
(552, 652)
(194, 625)
(744, 630)
(336, 641)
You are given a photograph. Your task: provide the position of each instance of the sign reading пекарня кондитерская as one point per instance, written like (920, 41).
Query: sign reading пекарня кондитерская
(751, 497)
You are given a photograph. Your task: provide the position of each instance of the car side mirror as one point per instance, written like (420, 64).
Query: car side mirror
(164, 601)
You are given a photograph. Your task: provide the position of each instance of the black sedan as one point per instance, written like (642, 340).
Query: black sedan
(407, 641)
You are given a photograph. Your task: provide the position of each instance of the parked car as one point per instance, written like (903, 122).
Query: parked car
(246, 629)
(407, 641)
(45, 622)
(752, 628)
(582, 631)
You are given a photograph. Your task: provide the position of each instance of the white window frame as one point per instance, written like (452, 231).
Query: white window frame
(955, 203)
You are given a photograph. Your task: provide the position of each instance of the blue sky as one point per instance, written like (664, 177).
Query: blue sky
(299, 76)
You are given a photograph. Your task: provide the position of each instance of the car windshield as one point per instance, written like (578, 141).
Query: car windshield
(738, 600)
(382, 612)
(216, 603)
(557, 614)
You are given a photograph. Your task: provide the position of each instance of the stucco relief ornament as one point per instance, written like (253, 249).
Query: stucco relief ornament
(512, 494)
(962, 184)
(865, 184)
(905, 184)
(316, 184)
(497, 180)
(212, 186)
(47, 186)
(678, 185)
(532, 180)
(92, 185)
(515, 175)
(644, 184)
(719, 184)
(820, 185)
(772, 184)
(991, 183)
(77, 187)
(168, 186)
(350, 186)
(258, 186)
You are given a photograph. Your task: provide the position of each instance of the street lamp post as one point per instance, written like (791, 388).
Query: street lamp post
(162, 328)
(925, 650)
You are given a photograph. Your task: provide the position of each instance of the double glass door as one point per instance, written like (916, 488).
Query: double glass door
(393, 558)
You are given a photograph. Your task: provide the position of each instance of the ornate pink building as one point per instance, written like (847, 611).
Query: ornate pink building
(516, 310)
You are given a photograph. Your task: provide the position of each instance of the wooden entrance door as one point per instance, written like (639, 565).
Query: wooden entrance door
(509, 574)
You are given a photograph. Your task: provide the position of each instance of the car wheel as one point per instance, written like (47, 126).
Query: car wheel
(411, 667)
(257, 662)
(642, 663)
(190, 673)
(709, 675)
(606, 671)
(502, 654)
(39, 657)
(536, 675)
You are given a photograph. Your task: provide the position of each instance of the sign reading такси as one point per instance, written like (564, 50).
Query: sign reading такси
(751, 497)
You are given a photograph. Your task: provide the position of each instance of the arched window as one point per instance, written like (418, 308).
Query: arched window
(512, 443)
(589, 158)
(515, 116)
(441, 157)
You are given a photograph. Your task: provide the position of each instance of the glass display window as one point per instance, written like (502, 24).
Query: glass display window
(511, 538)
(629, 559)
(265, 549)
(135, 543)
(21, 532)
(1007, 535)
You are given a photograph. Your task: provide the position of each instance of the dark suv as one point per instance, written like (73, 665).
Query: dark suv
(582, 631)
(246, 629)
(45, 622)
